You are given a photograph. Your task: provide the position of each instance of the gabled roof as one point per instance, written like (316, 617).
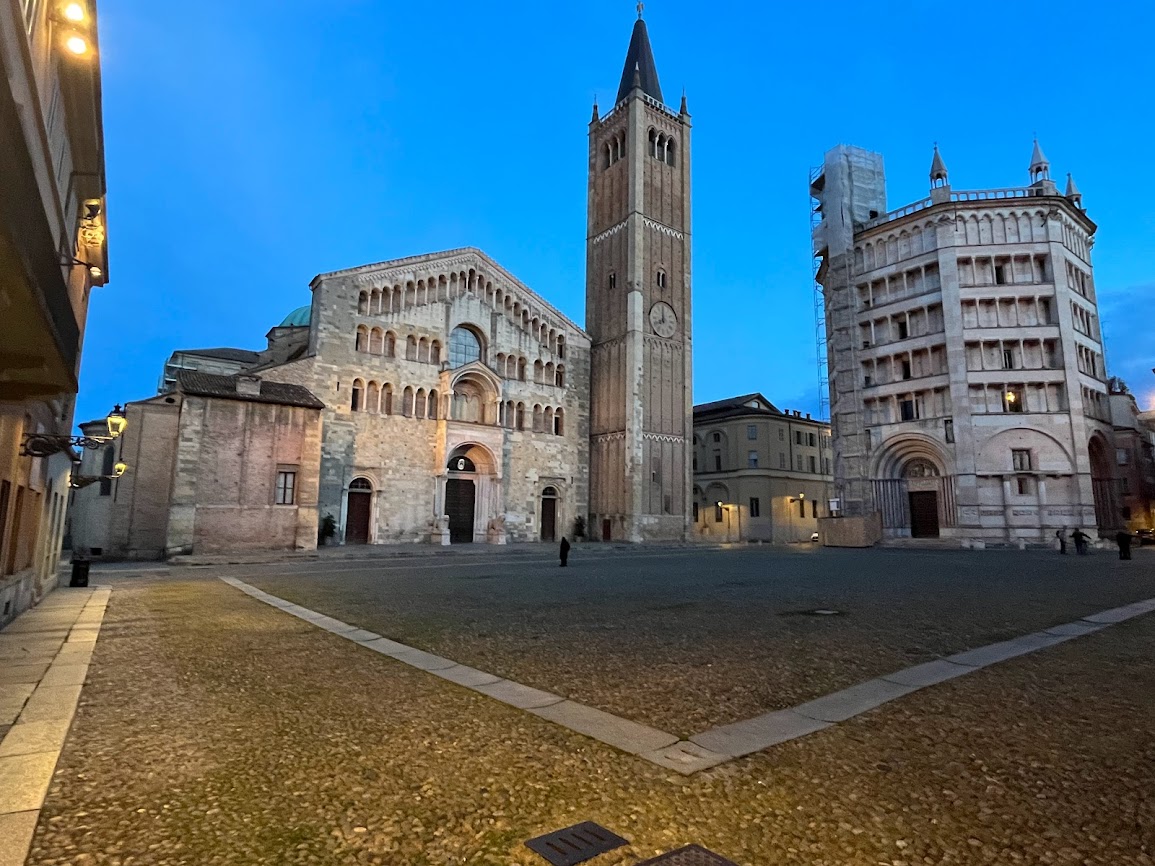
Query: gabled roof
(457, 258)
(747, 404)
(244, 356)
(195, 383)
(640, 60)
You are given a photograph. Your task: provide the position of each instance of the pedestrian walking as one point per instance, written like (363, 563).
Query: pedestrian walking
(1080, 538)
(1061, 534)
(1124, 541)
(564, 551)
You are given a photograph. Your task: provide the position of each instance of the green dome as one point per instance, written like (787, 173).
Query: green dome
(298, 318)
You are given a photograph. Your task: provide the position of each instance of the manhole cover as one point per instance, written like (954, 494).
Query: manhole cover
(577, 844)
(691, 855)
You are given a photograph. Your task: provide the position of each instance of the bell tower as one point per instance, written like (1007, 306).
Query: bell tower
(638, 309)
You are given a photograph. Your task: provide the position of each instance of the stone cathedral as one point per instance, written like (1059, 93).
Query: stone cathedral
(437, 398)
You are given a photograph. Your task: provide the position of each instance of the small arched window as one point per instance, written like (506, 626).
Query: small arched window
(376, 341)
(357, 401)
(561, 345)
(520, 417)
(537, 418)
(559, 422)
(410, 348)
(521, 365)
(432, 414)
(419, 412)
(435, 352)
(670, 158)
(407, 402)
(390, 344)
(661, 278)
(423, 350)
(464, 347)
(362, 338)
(361, 484)
(387, 399)
(538, 371)
(363, 303)
(372, 397)
(559, 376)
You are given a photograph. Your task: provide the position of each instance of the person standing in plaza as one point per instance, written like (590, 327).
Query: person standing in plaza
(1061, 534)
(1123, 538)
(1080, 538)
(564, 551)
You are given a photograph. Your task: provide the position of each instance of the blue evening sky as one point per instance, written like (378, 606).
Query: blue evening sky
(252, 145)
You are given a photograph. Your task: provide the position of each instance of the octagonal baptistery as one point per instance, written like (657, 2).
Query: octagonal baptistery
(457, 403)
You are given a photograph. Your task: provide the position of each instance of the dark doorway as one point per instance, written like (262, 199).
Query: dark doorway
(459, 501)
(358, 511)
(606, 534)
(549, 514)
(924, 514)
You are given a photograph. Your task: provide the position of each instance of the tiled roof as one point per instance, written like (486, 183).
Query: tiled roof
(737, 406)
(246, 356)
(210, 385)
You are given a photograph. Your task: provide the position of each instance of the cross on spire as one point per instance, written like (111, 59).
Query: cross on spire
(641, 6)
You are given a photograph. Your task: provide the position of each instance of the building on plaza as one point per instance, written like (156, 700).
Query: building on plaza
(219, 362)
(1134, 457)
(760, 474)
(455, 403)
(53, 252)
(967, 379)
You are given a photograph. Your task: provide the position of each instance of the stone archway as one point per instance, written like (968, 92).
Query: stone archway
(466, 493)
(359, 511)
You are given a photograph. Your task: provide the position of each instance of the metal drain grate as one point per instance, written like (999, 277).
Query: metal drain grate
(575, 844)
(691, 855)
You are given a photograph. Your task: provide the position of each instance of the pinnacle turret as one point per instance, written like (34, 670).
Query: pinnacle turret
(938, 173)
(1040, 167)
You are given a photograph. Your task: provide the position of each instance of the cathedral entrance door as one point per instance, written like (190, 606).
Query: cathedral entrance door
(358, 511)
(923, 514)
(460, 497)
(549, 514)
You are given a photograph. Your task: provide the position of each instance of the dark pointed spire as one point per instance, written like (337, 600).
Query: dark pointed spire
(938, 171)
(596, 117)
(683, 109)
(640, 59)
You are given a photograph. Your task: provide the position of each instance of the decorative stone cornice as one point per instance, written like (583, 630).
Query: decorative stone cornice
(610, 232)
(616, 436)
(663, 437)
(662, 228)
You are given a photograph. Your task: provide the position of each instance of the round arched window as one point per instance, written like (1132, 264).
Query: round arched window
(360, 484)
(461, 464)
(464, 347)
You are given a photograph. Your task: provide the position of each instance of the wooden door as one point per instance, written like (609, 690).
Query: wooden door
(606, 530)
(459, 505)
(548, 519)
(924, 514)
(357, 517)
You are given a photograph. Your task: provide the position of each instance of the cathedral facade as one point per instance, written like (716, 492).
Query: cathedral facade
(454, 404)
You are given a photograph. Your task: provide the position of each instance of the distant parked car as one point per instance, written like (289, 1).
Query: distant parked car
(814, 537)
(1144, 536)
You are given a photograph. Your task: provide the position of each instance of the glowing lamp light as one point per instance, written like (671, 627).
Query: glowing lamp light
(1011, 397)
(76, 44)
(74, 12)
(719, 503)
(116, 422)
(95, 272)
(119, 469)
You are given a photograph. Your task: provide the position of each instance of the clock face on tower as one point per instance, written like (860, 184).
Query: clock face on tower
(663, 319)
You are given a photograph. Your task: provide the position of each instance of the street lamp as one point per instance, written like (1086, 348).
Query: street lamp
(47, 444)
(76, 482)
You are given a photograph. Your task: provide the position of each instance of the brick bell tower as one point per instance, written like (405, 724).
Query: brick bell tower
(638, 309)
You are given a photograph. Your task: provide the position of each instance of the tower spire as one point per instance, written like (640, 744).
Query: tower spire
(1073, 193)
(1040, 167)
(640, 59)
(938, 173)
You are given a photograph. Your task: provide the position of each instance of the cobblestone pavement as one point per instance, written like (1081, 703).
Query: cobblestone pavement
(685, 641)
(217, 730)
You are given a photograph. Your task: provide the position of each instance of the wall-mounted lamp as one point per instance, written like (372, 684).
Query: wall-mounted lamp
(77, 482)
(94, 271)
(47, 444)
(74, 25)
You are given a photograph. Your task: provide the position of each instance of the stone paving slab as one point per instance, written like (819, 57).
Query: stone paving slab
(31, 737)
(12, 699)
(74, 654)
(16, 831)
(423, 660)
(685, 757)
(361, 635)
(464, 675)
(517, 695)
(65, 675)
(24, 780)
(928, 674)
(1008, 649)
(22, 673)
(49, 703)
(842, 705)
(758, 733)
(15, 647)
(385, 646)
(1120, 614)
(613, 730)
(1076, 629)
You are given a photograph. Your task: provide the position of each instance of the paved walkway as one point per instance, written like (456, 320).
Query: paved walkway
(44, 658)
(720, 744)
